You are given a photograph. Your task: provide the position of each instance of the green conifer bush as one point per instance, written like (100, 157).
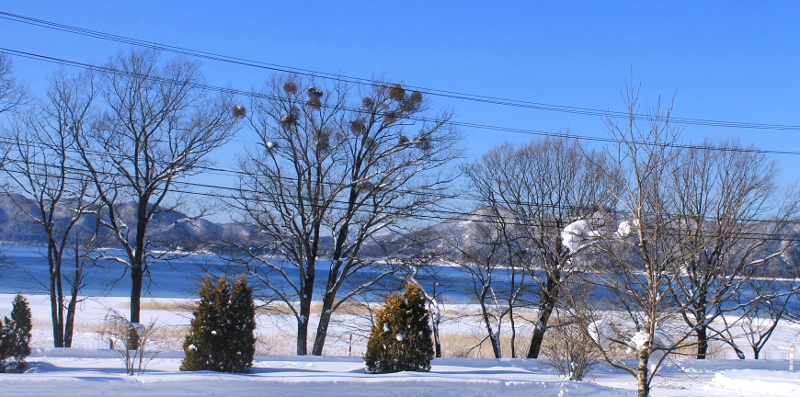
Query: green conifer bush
(15, 337)
(240, 327)
(221, 334)
(401, 339)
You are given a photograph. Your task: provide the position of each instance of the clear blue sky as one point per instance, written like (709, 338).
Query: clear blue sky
(735, 61)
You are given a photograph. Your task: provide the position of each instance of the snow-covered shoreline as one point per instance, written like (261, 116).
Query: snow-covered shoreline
(91, 369)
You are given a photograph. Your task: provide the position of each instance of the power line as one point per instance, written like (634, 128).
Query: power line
(240, 173)
(111, 70)
(356, 80)
(486, 127)
(428, 214)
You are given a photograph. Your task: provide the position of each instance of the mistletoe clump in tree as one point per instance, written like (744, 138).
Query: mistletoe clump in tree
(221, 333)
(15, 337)
(401, 340)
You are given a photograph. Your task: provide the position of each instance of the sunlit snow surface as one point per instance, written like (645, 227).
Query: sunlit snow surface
(99, 372)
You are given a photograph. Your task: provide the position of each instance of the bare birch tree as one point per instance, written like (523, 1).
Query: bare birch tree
(687, 237)
(159, 125)
(334, 165)
(545, 186)
(643, 259)
(41, 166)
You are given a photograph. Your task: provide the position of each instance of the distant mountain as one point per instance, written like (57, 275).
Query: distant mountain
(472, 229)
(168, 228)
(175, 229)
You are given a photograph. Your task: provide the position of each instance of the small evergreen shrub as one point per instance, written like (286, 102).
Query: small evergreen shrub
(241, 325)
(15, 337)
(401, 339)
(221, 334)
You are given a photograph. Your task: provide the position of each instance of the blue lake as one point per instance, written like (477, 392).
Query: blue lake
(180, 278)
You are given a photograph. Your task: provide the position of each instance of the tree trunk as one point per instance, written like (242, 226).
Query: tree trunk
(55, 316)
(642, 373)
(701, 329)
(136, 300)
(305, 312)
(493, 338)
(69, 326)
(513, 330)
(437, 343)
(322, 327)
(137, 270)
(702, 342)
(548, 305)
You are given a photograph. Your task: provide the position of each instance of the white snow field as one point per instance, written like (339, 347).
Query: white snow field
(91, 369)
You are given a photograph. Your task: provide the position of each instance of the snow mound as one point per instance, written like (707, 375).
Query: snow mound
(759, 382)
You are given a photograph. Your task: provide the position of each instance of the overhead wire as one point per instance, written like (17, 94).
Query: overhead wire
(460, 124)
(233, 91)
(429, 214)
(356, 80)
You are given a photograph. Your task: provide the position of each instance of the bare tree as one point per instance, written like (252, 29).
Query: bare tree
(332, 167)
(729, 211)
(12, 94)
(686, 239)
(41, 166)
(158, 126)
(643, 257)
(494, 255)
(760, 317)
(545, 186)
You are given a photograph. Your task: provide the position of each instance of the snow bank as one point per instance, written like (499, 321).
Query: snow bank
(759, 382)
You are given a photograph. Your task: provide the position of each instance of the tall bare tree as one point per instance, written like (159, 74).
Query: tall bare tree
(12, 95)
(643, 257)
(546, 185)
(731, 211)
(158, 126)
(332, 167)
(41, 165)
(688, 236)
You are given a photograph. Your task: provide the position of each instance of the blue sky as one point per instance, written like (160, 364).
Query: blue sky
(733, 61)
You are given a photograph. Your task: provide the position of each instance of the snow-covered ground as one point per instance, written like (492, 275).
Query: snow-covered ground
(90, 369)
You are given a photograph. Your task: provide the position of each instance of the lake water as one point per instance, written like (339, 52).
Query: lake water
(178, 278)
(181, 278)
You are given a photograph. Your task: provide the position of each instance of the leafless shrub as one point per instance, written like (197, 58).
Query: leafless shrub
(121, 334)
(569, 349)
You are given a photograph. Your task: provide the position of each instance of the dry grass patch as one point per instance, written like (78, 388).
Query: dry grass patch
(161, 304)
(276, 344)
(353, 308)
